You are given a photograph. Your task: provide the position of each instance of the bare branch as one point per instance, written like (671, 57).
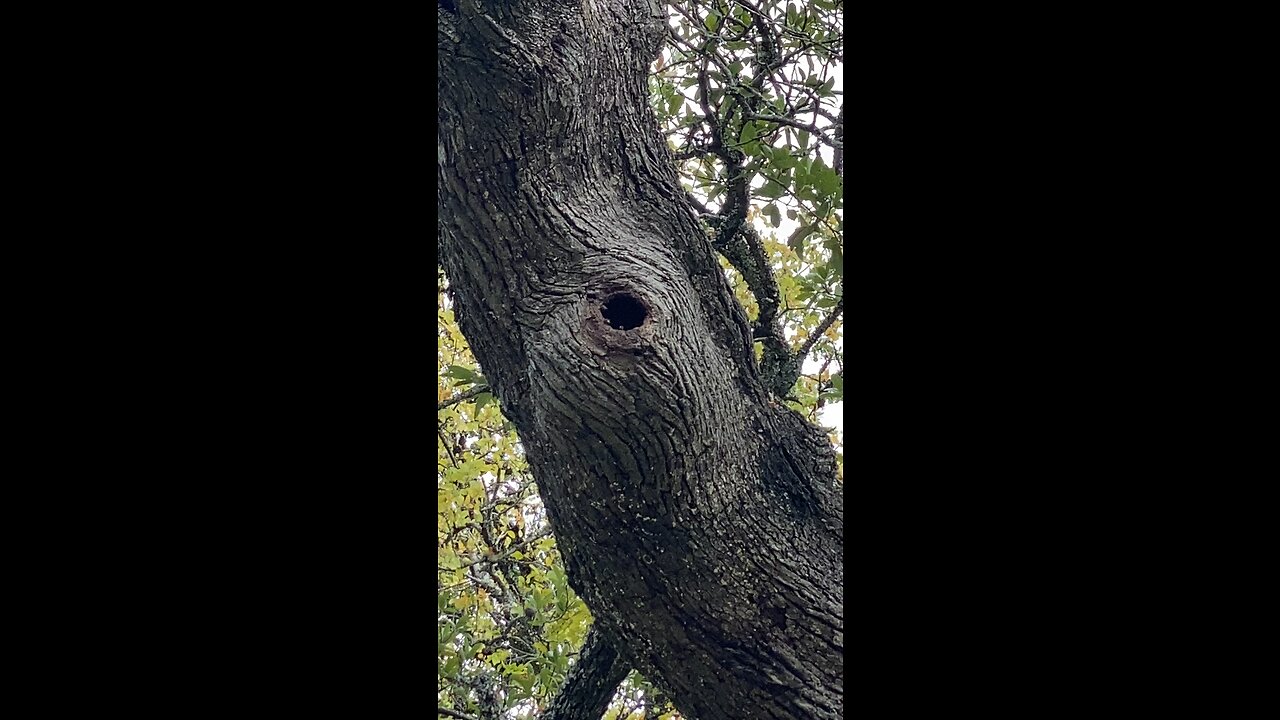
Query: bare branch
(523, 545)
(810, 128)
(803, 352)
(691, 152)
(838, 164)
(463, 396)
(453, 460)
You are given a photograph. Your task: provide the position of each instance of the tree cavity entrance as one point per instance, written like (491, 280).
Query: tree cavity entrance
(624, 311)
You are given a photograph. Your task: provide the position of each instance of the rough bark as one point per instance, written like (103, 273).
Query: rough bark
(699, 520)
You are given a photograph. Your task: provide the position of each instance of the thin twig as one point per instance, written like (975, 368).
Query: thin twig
(522, 545)
(838, 163)
(463, 396)
(803, 352)
(445, 443)
(812, 129)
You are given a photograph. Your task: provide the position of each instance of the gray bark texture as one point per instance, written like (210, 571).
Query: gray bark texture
(699, 519)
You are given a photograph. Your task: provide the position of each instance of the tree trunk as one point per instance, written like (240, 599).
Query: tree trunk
(699, 521)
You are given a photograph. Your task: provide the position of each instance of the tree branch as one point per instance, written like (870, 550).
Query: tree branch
(809, 128)
(592, 681)
(522, 545)
(453, 713)
(813, 338)
(838, 163)
(782, 370)
(463, 396)
(733, 237)
(440, 433)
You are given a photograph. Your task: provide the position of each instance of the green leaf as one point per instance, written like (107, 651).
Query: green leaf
(771, 211)
(802, 173)
(525, 681)
(802, 233)
(836, 263)
(461, 373)
(483, 399)
(825, 180)
(782, 159)
(772, 190)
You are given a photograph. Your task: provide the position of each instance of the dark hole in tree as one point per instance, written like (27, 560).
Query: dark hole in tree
(623, 312)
